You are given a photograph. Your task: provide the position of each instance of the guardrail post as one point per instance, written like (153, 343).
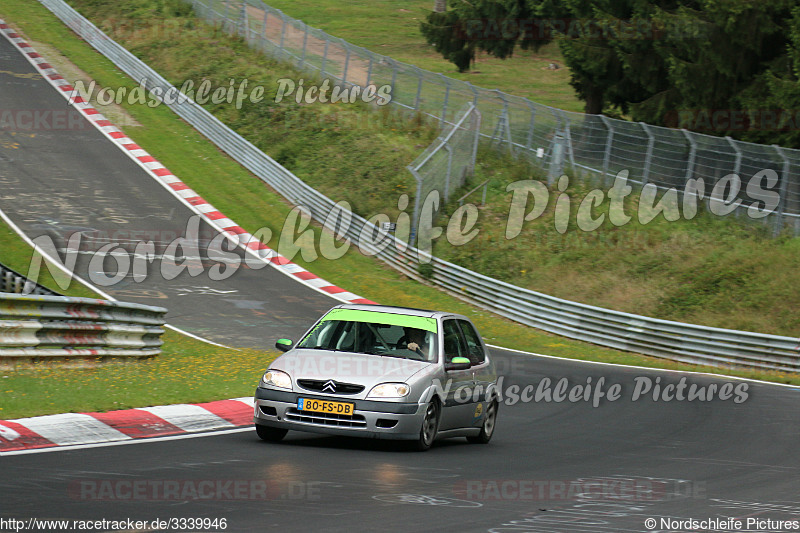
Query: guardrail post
(784, 191)
(609, 143)
(651, 140)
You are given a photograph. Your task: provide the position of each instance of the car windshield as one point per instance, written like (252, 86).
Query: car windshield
(373, 338)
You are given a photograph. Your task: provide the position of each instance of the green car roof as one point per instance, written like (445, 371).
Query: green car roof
(377, 317)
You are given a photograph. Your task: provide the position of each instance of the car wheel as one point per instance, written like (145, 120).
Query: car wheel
(430, 425)
(271, 434)
(487, 429)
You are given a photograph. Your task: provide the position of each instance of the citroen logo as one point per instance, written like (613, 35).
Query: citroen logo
(330, 386)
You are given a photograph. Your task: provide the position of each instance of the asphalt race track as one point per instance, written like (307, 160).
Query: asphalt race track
(557, 466)
(69, 177)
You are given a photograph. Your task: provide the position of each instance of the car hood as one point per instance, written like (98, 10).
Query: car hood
(346, 367)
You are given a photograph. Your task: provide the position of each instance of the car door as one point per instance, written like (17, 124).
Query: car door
(483, 373)
(458, 408)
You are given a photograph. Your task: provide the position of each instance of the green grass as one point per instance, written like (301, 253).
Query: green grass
(187, 371)
(253, 205)
(391, 28)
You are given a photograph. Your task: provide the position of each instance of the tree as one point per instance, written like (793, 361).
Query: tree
(649, 58)
(497, 27)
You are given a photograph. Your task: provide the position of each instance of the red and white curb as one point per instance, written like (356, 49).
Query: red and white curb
(72, 429)
(173, 184)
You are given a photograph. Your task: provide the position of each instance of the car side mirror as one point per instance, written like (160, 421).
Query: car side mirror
(458, 363)
(283, 345)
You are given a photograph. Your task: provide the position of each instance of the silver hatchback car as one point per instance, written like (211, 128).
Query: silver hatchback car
(381, 372)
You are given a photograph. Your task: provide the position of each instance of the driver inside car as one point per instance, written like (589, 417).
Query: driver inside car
(416, 340)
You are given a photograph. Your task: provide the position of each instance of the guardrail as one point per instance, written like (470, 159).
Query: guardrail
(545, 136)
(35, 322)
(660, 338)
(34, 326)
(13, 281)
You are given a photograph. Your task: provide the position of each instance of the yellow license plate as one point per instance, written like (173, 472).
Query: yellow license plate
(324, 406)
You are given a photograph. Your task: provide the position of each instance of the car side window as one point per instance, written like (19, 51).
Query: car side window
(454, 345)
(475, 350)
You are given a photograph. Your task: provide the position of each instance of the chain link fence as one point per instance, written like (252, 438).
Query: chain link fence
(551, 139)
(444, 166)
(634, 333)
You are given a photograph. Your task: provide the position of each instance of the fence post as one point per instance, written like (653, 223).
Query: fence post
(692, 155)
(346, 62)
(449, 171)
(476, 118)
(324, 53)
(738, 164)
(474, 94)
(305, 44)
(394, 75)
(567, 138)
(412, 237)
(651, 140)
(264, 27)
(556, 166)
(609, 142)
(283, 32)
(419, 89)
(446, 97)
(244, 25)
(784, 191)
(529, 140)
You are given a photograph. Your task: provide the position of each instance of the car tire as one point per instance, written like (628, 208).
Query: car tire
(271, 434)
(430, 426)
(487, 428)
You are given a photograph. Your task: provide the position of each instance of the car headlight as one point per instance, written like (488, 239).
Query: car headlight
(389, 390)
(276, 378)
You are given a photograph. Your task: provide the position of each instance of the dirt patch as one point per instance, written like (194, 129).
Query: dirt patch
(113, 112)
(296, 39)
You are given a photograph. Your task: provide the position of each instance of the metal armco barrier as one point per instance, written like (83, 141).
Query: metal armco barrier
(671, 340)
(13, 281)
(61, 326)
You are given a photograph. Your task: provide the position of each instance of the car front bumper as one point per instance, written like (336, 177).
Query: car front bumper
(382, 420)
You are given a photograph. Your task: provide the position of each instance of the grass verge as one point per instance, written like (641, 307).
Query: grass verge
(187, 370)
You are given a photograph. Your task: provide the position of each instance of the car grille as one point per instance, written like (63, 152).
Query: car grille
(318, 385)
(325, 419)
